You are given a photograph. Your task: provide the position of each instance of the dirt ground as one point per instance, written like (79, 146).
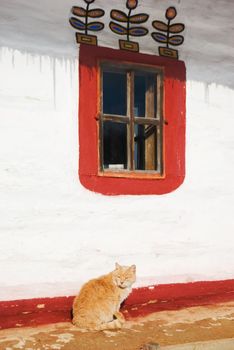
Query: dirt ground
(166, 328)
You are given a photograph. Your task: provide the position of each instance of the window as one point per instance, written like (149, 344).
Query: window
(131, 122)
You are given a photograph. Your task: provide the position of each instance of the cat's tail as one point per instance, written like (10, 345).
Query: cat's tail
(115, 324)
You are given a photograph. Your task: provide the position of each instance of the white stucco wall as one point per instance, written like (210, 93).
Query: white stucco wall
(54, 234)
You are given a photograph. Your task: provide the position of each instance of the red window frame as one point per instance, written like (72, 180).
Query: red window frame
(174, 108)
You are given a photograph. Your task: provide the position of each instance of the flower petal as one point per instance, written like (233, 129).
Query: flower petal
(132, 4)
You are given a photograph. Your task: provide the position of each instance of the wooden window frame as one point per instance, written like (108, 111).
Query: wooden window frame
(131, 119)
(173, 111)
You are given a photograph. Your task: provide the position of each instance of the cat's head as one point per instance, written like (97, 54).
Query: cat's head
(124, 276)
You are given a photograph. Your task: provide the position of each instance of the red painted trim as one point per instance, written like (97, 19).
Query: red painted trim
(174, 132)
(177, 296)
(142, 301)
(33, 312)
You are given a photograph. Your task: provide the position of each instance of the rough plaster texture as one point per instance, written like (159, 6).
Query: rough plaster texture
(54, 234)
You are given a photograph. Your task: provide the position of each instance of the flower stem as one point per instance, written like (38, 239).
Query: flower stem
(128, 24)
(168, 32)
(86, 19)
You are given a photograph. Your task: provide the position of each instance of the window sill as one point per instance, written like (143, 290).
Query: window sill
(132, 175)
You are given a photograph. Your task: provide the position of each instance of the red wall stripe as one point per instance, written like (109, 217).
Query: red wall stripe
(142, 301)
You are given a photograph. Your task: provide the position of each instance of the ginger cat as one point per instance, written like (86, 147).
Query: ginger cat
(97, 305)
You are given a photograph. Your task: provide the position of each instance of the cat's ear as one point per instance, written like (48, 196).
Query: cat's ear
(117, 266)
(133, 268)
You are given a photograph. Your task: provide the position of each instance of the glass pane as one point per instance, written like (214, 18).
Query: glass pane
(114, 93)
(145, 95)
(114, 145)
(139, 95)
(145, 147)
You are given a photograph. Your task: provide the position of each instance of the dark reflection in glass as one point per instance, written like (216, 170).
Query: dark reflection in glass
(145, 147)
(114, 93)
(114, 145)
(145, 95)
(139, 95)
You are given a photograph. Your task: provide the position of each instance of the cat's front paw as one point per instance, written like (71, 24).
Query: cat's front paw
(119, 316)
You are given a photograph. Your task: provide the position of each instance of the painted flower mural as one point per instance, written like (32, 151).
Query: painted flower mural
(129, 25)
(129, 29)
(167, 39)
(86, 25)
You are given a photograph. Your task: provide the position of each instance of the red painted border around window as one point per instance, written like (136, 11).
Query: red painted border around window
(142, 301)
(174, 131)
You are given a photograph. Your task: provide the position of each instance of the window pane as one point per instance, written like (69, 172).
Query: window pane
(145, 95)
(114, 93)
(114, 145)
(139, 95)
(146, 152)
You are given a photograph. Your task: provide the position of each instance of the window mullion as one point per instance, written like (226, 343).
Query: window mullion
(130, 112)
(100, 141)
(115, 118)
(150, 113)
(160, 117)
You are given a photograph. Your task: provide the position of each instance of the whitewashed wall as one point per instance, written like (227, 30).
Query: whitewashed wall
(54, 234)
